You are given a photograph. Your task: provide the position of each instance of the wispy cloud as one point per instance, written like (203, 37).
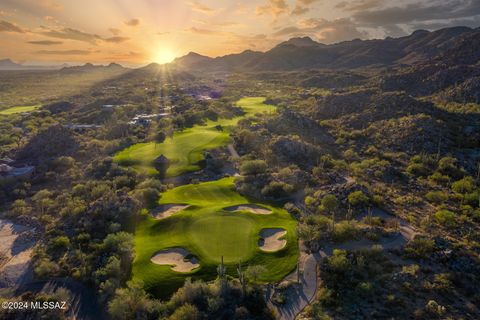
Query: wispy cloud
(115, 31)
(45, 42)
(200, 7)
(116, 39)
(275, 8)
(299, 10)
(218, 23)
(132, 22)
(327, 31)
(307, 2)
(64, 52)
(72, 34)
(6, 26)
(77, 35)
(202, 31)
(359, 5)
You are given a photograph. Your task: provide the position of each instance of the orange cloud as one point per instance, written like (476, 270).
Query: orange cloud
(116, 39)
(72, 34)
(45, 42)
(6, 26)
(299, 10)
(64, 52)
(275, 8)
(199, 7)
(132, 22)
(115, 31)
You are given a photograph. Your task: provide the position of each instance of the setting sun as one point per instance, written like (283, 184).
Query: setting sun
(164, 56)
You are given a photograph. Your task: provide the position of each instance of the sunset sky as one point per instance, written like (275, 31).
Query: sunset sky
(141, 31)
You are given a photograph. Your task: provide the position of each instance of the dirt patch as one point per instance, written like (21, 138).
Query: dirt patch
(253, 208)
(16, 245)
(166, 210)
(177, 258)
(270, 239)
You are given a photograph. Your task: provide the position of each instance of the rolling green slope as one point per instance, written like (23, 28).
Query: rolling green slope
(18, 109)
(185, 149)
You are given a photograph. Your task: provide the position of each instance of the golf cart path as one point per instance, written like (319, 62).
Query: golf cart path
(303, 293)
(299, 295)
(16, 246)
(232, 151)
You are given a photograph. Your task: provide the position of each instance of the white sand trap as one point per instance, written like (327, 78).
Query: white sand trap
(175, 258)
(253, 208)
(270, 239)
(166, 210)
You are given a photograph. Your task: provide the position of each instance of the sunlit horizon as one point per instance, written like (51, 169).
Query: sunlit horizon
(133, 33)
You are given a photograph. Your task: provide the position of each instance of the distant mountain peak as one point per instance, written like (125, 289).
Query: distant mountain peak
(194, 54)
(9, 63)
(420, 32)
(301, 42)
(115, 65)
(190, 59)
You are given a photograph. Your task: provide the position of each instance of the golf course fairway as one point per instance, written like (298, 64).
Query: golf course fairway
(204, 229)
(18, 109)
(186, 148)
(207, 231)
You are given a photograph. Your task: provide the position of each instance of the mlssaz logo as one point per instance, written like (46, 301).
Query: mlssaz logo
(39, 305)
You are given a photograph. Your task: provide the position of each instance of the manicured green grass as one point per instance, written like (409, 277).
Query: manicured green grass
(223, 235)
(185, 149)
(208, 232)
(18, 109)
(253, 105)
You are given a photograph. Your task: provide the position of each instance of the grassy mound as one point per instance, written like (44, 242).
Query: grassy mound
(208, 231)
(185, 149)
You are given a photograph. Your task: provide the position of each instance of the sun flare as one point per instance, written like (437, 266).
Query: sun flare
(164, 56)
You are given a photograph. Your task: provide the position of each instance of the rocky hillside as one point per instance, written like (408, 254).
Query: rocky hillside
(305, 53)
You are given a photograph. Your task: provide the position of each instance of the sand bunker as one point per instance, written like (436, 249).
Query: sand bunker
(175, 257)
(253, 208)
(270, 239)
(166, 210)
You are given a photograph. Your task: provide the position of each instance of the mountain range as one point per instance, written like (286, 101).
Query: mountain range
(453, 44)
(8, 64)
(305, 53)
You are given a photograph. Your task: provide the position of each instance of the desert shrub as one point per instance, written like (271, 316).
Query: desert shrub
(436, 196)
(58, 243)
(345, 230)
(473, 198)
(445, 217)
(320, 222)
(439, 178)
(448, 166)
(276, 189)
(46, 268)
(464, 185)
(253, 167)
(350, 155)
(419, 248)
(329, 203)
(417, 169)
(358, 198)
